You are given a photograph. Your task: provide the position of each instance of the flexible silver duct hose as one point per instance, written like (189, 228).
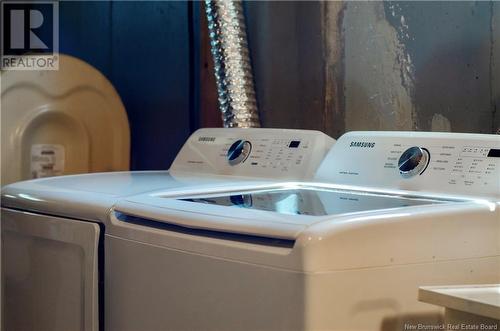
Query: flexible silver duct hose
(233, 71)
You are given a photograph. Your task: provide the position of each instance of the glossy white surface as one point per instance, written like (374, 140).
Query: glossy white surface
(86, 197)
(90, 198)
(344, 271)
(323, 243)
(169, 208)
(197, 266)
(74, 115)
(49, 273)
(276, 154)
(458, 162)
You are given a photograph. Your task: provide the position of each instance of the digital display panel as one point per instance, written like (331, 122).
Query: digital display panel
(494, 152)
(294, 144)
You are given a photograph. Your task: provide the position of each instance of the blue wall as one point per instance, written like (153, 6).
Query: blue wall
(146, 51)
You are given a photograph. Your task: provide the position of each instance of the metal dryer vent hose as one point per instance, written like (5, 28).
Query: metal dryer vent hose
(233, 71)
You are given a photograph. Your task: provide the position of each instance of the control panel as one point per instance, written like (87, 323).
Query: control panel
(253, 152)
(455, 163)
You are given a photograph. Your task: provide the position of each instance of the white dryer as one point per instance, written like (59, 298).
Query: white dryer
(53, 229)
(387, 212)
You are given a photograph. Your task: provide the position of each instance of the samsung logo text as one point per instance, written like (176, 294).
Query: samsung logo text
(362, 144)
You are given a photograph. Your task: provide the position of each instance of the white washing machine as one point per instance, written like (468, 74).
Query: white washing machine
(386, 213)
(53, 229)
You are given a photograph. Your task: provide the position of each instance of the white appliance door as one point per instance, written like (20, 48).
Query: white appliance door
(49, 273)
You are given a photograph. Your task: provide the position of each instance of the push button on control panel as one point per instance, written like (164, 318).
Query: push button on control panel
(413, 161)
(238, 152)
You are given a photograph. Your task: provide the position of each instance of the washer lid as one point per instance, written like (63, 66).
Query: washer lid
(278, 212)
(309, 200)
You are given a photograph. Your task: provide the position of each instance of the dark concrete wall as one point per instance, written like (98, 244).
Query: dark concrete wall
(449, 45)
(285, 39)
(340, 66)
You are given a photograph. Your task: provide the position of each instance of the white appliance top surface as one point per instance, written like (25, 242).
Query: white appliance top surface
(309, 200)
(282, 210)
(90, 196)
(323, 226)
(210, 158)
(360, 210)
(383, 174)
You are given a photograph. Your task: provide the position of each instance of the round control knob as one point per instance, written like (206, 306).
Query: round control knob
(413, 161)
(238, 152)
